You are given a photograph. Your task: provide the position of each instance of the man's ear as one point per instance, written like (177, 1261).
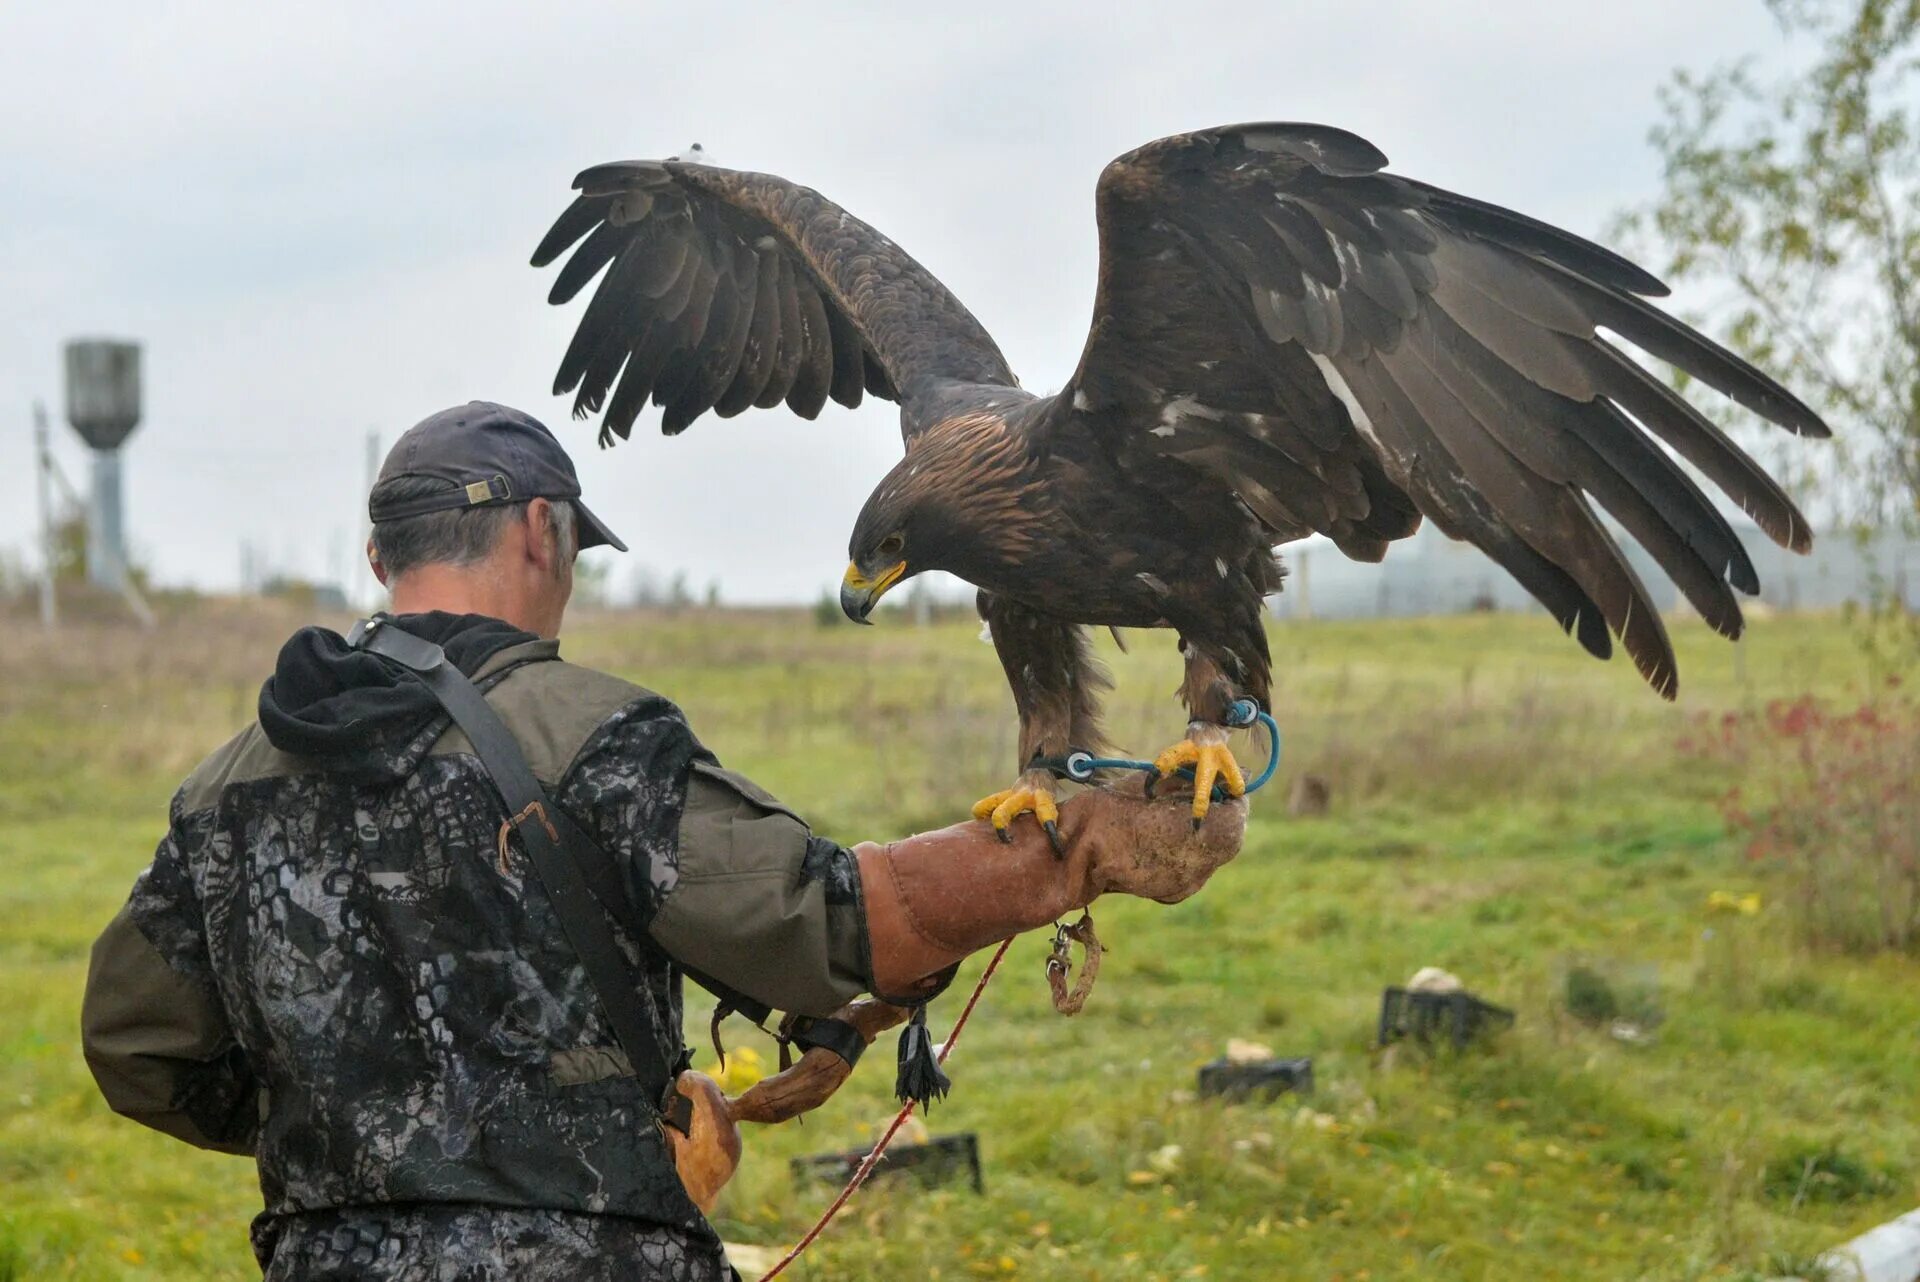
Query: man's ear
(373, 559)
(543, 543)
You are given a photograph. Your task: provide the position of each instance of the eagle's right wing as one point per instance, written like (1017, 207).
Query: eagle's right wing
(1345, 350)
(726, 289)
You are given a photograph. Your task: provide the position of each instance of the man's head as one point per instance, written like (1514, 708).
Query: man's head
(478, 510)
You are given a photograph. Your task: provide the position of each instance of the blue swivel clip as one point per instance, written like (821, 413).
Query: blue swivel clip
(1080, 765)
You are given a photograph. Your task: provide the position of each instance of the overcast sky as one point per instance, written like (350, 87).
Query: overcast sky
(319, 223)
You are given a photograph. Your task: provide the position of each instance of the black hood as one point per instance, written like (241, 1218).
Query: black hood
(358, 714)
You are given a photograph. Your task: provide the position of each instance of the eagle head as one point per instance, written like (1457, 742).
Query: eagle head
(964, 500)
(893, 540)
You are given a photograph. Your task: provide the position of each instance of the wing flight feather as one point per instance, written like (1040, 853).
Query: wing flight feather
(1347, 351)
(723, 290)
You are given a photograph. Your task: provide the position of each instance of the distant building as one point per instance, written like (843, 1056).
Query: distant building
(1432, 574)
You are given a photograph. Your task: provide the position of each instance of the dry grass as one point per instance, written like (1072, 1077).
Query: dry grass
(1500, 805)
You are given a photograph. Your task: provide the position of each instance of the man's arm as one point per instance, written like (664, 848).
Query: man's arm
(764, 906)
(154, 1034)
(760, 903)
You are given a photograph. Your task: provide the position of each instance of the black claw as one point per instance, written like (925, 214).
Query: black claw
(1053, 836)
(1197, 821)
(1005, 835)
(1153, 778)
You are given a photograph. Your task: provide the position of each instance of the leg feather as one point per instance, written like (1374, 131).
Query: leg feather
(1057, 683)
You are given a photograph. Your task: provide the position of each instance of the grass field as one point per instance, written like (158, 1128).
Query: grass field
(1502, 807)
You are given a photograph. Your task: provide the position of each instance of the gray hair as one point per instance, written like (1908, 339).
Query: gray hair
(457, 536)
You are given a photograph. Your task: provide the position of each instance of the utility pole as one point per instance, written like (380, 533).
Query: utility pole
(43, 465)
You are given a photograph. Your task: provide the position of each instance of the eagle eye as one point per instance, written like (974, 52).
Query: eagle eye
(891, 545)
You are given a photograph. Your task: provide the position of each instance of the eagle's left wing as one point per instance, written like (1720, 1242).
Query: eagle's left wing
(725, 289)
(1344, 350)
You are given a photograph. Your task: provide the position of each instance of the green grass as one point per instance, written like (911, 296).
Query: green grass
(1503, 807)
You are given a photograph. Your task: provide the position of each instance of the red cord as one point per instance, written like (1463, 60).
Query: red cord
(900, 1119)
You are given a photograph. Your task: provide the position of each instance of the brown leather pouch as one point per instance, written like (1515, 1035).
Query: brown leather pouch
(709, 1152)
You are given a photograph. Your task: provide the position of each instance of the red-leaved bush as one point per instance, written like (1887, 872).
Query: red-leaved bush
(1831, 796)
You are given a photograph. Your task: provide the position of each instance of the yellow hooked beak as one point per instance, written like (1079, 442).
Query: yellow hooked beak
(858, 593)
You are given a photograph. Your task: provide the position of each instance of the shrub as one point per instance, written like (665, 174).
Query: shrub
(1832, 797)
(1590, 997)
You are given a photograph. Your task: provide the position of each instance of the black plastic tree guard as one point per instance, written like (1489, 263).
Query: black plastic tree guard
(1264, 1078)
(1461, 1016)
(937, 1161)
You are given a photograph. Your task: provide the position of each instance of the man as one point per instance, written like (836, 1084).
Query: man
(341, 963)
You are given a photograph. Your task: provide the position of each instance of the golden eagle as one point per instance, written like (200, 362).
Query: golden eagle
(1286, 340)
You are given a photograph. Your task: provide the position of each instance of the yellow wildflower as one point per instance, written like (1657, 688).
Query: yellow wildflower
(1727, 904)
(744, 1067)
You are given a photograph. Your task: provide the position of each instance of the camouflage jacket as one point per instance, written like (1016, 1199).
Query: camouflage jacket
(338, 966)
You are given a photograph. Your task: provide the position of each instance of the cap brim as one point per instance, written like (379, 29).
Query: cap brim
(593, 531)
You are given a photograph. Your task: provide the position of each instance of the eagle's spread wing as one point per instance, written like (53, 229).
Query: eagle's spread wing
(1342, 348)
(729, 289)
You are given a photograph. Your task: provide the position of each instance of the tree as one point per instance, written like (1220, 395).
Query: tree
(69, 549)
(15, 579)
(592, 581)
(1798, 199)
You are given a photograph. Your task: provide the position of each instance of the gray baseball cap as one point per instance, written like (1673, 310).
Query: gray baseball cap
(490, 454)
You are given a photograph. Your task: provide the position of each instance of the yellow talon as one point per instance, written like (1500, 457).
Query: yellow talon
(1028, 796)
(1212, 761)
(1020, 801)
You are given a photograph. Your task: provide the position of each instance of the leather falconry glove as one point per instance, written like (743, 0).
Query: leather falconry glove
(935, 898)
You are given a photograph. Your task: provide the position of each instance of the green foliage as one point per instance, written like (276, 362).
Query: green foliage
(1551, 816)
(1797, 203)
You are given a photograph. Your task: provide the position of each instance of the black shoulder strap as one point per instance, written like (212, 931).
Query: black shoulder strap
(555, 859)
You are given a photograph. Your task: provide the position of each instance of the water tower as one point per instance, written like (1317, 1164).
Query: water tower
(103, 404)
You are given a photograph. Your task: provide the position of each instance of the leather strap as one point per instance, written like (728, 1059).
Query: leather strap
(835, 1035)
(554, 845)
